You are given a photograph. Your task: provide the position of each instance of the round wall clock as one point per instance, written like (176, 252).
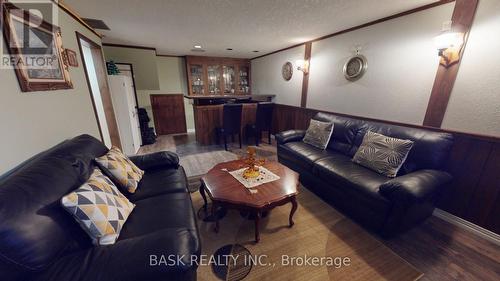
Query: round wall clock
(287, 71)
(355, 67)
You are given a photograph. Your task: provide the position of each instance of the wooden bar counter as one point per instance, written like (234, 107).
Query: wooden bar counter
(208, 114)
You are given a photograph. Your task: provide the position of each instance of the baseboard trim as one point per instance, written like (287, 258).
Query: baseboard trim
(476, 229)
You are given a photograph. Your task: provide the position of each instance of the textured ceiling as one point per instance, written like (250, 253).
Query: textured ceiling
(173, 27)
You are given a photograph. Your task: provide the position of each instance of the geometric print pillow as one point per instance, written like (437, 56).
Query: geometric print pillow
(122, 170)
(100, 209)
(384, 155)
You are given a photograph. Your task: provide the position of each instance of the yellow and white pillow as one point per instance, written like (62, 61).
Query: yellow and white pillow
(99, 208)
(123, 171)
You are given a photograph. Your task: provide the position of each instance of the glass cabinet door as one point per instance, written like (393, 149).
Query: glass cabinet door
(244, 83)
(197, 79)
(214, 79)
(229, 79)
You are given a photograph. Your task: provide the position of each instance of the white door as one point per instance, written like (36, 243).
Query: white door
(134, 117)
(122, 94)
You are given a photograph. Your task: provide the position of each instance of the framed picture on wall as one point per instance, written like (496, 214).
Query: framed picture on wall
(72, 57)
(35, 51)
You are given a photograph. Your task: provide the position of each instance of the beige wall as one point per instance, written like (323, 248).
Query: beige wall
(33, 122)
(402, 64)
(474, 104)
(172, 79)
(268, 80)
(143, 61)
(154, 75)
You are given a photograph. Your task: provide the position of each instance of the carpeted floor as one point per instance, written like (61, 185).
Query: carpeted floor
(319, 231)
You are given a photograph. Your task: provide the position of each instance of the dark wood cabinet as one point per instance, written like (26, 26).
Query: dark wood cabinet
(218, 76)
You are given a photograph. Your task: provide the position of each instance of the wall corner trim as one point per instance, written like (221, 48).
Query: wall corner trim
(305, 78)
(463, 17)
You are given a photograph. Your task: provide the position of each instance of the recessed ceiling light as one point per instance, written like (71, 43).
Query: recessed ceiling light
(197, 46)
(255, 51)
(229, 49)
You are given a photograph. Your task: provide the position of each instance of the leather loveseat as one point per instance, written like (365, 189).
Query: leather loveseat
(39, 240)
(384, 205)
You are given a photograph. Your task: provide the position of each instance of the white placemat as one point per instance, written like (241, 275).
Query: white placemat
(264, 177)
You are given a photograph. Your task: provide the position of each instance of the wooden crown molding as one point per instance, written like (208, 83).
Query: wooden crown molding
(129, 46)
(398, 15)
(141, 48)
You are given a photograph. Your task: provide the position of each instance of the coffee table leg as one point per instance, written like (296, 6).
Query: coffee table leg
(294, 208)
(216, 217)
(204, 196)
(257, 220)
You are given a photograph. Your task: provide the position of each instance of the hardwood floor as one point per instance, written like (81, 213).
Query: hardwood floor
(438, 249)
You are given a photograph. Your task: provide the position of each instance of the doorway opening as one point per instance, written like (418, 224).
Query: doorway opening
(96, 74)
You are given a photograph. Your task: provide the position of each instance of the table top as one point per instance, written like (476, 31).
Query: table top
(222, 186)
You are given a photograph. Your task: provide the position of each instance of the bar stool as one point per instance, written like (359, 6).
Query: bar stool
(231, 123)
(263, 122)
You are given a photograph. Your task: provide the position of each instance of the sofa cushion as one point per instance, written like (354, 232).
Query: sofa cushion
(120, 169)
(129, 259)
(99, 208)
(160, 181)
(34, 228)
(318, 134)
(339, 169)
(382, 154)
(429, 150)
(301, 154)
(160, 212)
(344, 133)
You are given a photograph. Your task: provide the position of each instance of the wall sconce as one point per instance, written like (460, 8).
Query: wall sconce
(302, 65)
(449, 45)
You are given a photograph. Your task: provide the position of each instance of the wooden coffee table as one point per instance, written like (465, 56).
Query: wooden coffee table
(227, 192)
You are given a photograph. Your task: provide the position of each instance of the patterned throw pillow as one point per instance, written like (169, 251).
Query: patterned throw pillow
(318, 134)
(100, 209)
(123, 171)
(384, 155)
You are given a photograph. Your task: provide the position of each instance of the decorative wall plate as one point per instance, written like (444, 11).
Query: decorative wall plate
(287, 71)
(355, 67)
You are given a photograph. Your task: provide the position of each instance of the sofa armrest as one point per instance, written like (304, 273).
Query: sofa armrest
(156, 160)
(290, 136)
(415, 186)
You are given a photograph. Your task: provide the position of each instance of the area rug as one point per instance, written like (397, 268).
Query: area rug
(201, 163)
(319, 232)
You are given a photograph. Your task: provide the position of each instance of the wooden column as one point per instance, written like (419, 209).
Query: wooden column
(305, 79)
(463, 16)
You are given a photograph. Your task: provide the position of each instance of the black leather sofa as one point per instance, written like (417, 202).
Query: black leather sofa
(39, 240)
(385, 205)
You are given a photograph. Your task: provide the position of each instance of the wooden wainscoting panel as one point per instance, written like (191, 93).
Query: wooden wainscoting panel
(207, 119)
(474, 162)
(466, 162)
(487, 192)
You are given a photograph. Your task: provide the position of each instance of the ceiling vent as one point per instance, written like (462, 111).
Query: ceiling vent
(96, 24)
